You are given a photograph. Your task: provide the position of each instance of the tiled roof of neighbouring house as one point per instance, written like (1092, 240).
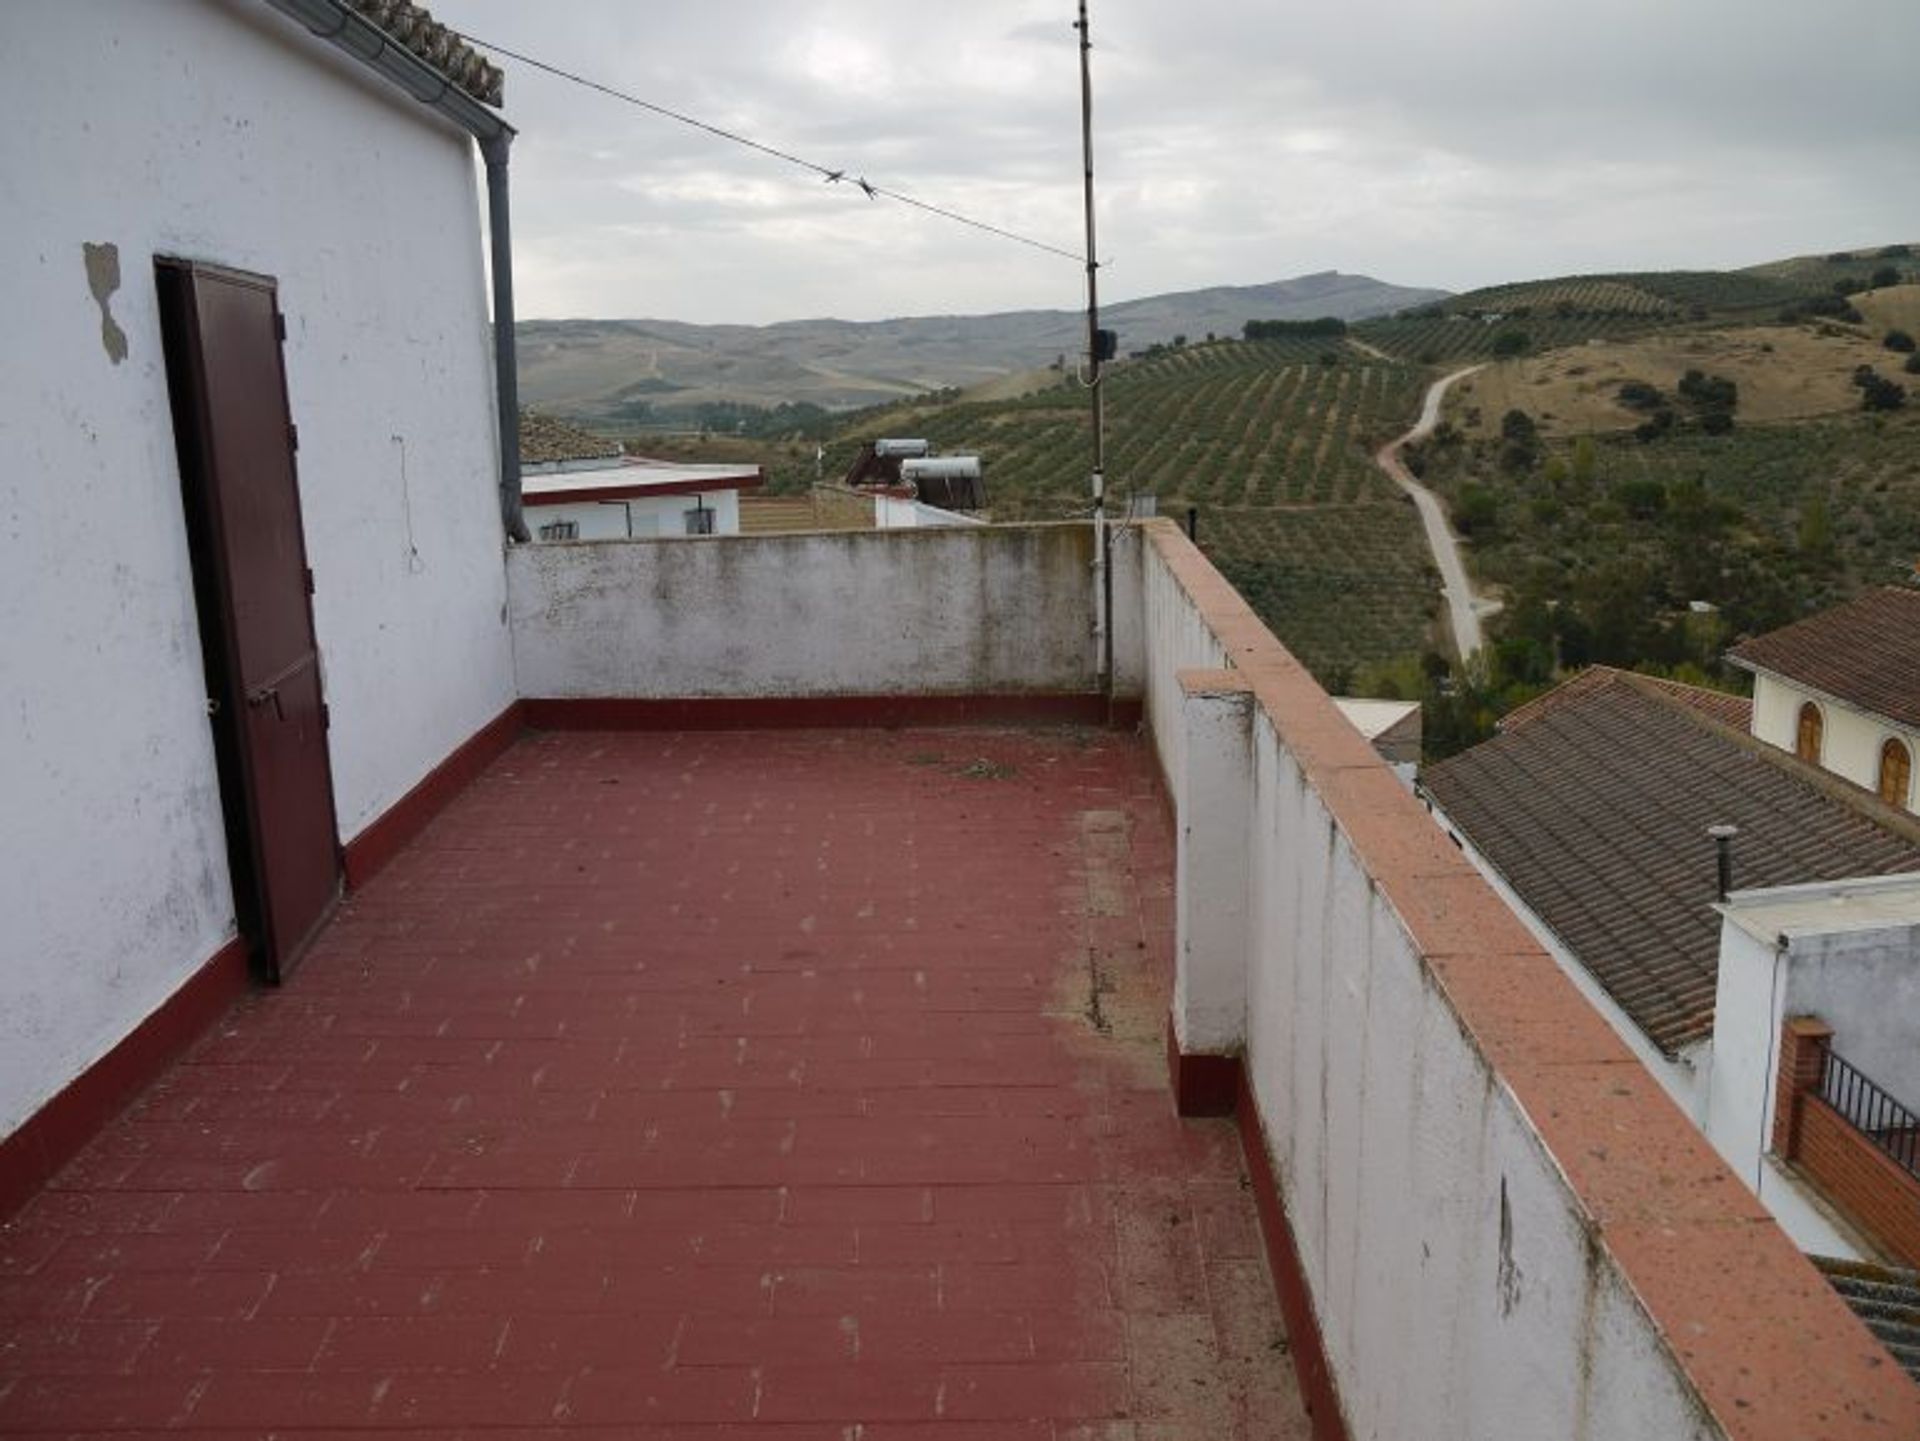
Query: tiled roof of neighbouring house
(439, 46)
(1595, 811)
(1887, 1298)
(1866, 652)
(543, 439)
(1731, 710)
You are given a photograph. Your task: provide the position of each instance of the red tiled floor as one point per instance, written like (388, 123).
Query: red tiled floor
(801, 1085)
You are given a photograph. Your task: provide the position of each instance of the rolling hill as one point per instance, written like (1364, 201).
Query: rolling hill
(621, 371)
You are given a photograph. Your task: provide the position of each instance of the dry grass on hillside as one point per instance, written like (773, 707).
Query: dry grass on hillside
(1784, 372)
(1896, 307)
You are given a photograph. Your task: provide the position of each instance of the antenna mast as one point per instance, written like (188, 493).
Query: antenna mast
(1103, 577)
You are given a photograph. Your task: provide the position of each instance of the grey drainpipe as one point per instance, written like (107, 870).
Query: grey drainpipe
(506, 364)
(335, 22)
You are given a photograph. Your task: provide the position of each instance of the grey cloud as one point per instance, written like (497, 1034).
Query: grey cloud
(1455, 143)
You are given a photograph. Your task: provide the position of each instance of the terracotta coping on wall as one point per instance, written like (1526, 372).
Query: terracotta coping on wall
(1770, 1348)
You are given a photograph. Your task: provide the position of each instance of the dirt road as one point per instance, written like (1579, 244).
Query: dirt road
(1464, 609)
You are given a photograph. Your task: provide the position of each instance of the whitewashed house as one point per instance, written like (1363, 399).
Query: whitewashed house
(581, 486)
(253, 584)
(634, 499)
(1841, 690)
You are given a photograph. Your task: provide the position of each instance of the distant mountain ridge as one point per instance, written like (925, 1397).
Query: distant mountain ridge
(609, 370)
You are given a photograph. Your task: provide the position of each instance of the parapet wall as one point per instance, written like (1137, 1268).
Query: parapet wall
(984, 610)
(1497, 1222)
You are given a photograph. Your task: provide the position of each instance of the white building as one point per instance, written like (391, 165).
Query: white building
(1841, 689)
(183, 791)
(630, 498)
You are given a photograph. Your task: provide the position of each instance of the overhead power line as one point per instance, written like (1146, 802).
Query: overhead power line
(829, 174)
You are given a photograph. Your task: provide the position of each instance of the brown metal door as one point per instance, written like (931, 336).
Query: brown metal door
(236, 442)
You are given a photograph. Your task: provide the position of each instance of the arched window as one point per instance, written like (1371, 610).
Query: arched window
(1896, 772)
(1806, 741)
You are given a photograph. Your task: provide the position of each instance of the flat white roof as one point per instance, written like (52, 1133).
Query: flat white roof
(631, 476)
(1870, 903)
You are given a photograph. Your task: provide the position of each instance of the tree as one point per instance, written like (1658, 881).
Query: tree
(1879, 393)
(1638, 395)
(1815, 535)
(1899, 340)
(1886, 275)
(1478, 512)
(1510, 343)
(1643, 499)
(1520, 441)
(1583, 461)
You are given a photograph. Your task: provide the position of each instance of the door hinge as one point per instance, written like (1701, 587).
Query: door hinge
(307, 575)
(293, 436)
(279, 326)
(326, 717)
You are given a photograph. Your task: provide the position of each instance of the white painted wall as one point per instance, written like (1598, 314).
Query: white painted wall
(219, 132)
(978, 610)
(1411, 1177)
(1211, 865)
(1866, 985)
(1850, 744)
(648, 517)
(1848, 952)
(1750, 1004)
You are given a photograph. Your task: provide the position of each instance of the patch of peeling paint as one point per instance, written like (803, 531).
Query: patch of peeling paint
(103, 278)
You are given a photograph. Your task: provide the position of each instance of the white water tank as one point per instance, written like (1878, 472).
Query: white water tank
(941, 467)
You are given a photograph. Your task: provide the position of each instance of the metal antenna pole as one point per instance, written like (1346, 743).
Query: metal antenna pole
(1103, 578)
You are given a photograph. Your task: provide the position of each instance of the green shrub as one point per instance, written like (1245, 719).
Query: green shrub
(1879, 393)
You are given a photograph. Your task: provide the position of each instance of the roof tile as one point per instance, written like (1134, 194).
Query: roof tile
(439, 45)
(1866, 652)
(1595, 810)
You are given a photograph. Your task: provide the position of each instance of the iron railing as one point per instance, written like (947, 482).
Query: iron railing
(1872, 1112)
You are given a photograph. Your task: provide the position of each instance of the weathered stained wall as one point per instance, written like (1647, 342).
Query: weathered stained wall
(979, 610)
(1504, 1227)
(219, 132)
(1866, 985)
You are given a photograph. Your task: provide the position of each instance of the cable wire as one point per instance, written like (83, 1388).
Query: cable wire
(830, 175)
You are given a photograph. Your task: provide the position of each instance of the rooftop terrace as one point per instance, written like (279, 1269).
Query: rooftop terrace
(689, 1080)
(692, 1077)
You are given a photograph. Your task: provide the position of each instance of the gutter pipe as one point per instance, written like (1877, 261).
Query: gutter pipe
(337, 23)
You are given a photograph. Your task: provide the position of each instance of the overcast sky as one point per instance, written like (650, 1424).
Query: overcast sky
(1452, 143)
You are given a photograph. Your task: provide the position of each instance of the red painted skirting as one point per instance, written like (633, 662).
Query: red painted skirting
(823, 712)
(55, 1133)
(1309, 1352)
(1202, 1085)
(381, 840)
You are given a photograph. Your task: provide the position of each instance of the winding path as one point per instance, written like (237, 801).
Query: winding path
(1464, 608)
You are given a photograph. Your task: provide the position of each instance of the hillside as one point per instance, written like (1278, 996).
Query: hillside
(631, 371)
(1598, 537)
(1784, 372)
